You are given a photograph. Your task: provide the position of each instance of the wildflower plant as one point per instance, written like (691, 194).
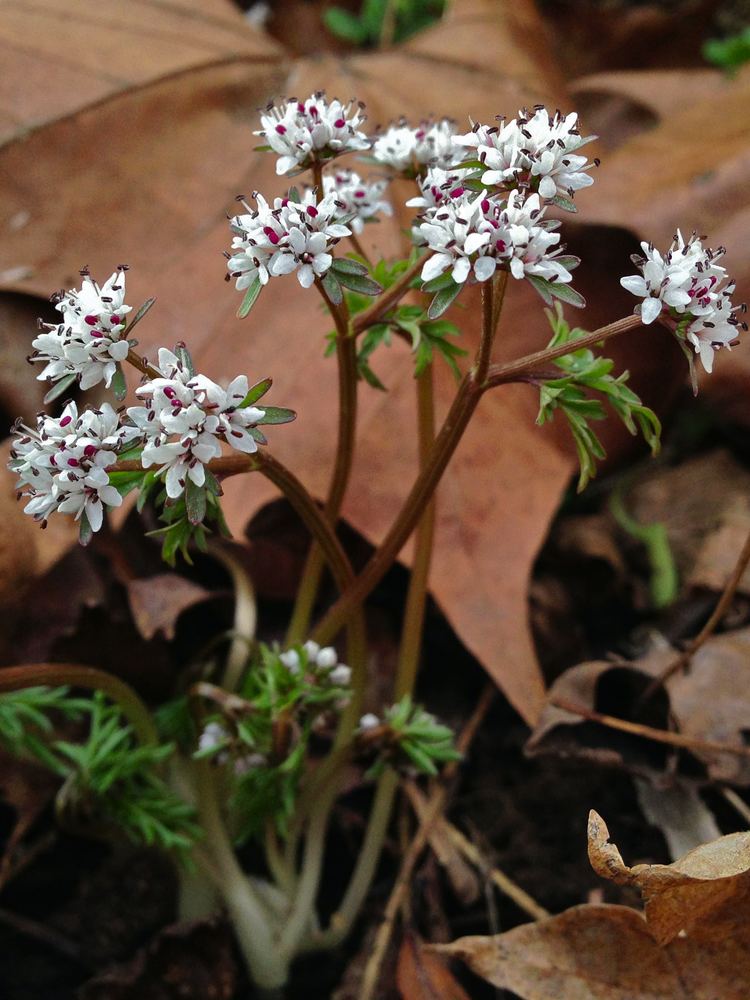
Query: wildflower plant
(257, 748)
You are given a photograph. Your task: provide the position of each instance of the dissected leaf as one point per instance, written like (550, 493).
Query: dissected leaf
(705, 893)
(605, 952)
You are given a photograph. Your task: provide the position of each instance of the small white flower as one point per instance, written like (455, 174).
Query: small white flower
(533, 149)
(185, 419)
(303, 132)
(213, 735)
(327, 658)
(475, 234)
(290, 236)
(291, 661)
(357, 200)
(62, 463)
(404, 148)
(340, 676)
(688, 282)
(90, 341)
(250, 762)
(438, 186)
(312, 649)
(368, 721)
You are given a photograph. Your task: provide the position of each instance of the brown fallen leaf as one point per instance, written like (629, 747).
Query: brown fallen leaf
(423, 975)
(158, 601)
(606, 952)
(716, 557)
(705, 893)
(179, 147)
(709, 702)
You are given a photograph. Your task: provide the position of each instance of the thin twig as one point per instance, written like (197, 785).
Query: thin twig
(472, 854)
(648, 732)
(433, 809)
(47, 935)
(722, 606)
(737, 803)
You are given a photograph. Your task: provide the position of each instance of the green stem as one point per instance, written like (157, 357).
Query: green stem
(56, 674)
(346, 355)
(250, 919)
(245, 618)
(364, 870)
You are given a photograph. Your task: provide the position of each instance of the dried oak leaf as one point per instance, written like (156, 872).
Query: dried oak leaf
(423, 975)
(606, 952)
(175, 94)
(705, 893)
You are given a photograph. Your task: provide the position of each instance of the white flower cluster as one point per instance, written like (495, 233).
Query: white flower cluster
(438, 186)
(62, 463)
(690, 283)
(357, 200)
(89, 342)
(322, 663)
(290, 236)
(403, 148)
(216, 737)
(186, 417)
(476, 234)
(302, 132)
(535, 150)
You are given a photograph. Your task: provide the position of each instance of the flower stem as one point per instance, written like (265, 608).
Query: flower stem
(346, 355)
(416, 599)
(458, 417)
(469, 393)
(500, 374)
(268, 967)
(374, 313)
(364, 870)
(55, 674)
(359, 249)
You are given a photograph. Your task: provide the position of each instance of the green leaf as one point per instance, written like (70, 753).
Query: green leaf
(255, 392)
(277, 415)
(249, 299)
(85, 532)
(565, 203)
(444, 299)
(195, 502)
(345, 265)
(185, 358)
(359, 283)
(119, 385)
(444, 280)
(345, 25)
(60, 387)
(140, 313)
(566, 294)
(332, 286)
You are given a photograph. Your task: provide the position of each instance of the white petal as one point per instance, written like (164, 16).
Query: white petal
(435, 266)
(650, 309)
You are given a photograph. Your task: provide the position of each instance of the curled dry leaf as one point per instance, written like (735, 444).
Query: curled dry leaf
(606, 952)
(179, 148)
(423, 975)
(705, 893)
(709, 702)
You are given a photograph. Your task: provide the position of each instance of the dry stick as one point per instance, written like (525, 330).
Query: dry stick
(433, 809)
(648, 732)
(472, 854)
(737, 803)
(682, 661)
